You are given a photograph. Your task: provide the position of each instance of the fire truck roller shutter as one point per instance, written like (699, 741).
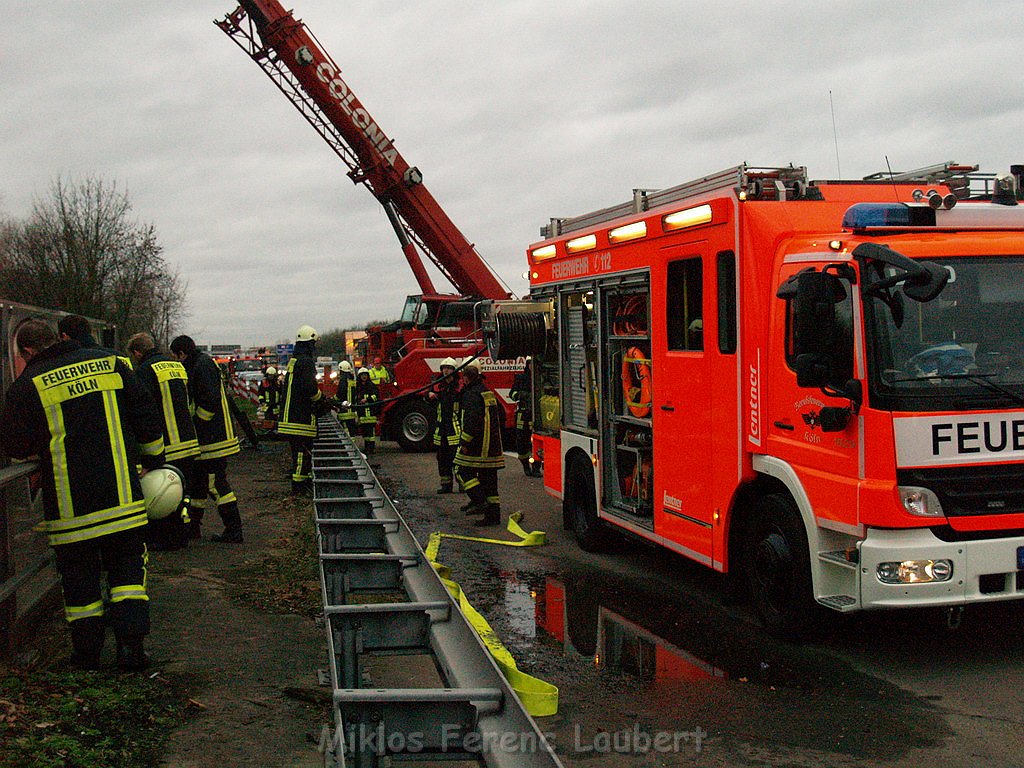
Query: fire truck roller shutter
(517, 334)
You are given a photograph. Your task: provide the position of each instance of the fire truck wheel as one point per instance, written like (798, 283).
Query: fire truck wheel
(579, 508)
(414, 422)
(778, 568)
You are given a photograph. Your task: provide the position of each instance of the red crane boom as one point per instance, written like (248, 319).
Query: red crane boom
(293, 59)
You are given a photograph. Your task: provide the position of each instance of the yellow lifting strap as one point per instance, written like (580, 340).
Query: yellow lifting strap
(539, 698)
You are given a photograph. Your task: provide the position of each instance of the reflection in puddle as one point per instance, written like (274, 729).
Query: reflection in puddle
(628, 647)
(612, 640)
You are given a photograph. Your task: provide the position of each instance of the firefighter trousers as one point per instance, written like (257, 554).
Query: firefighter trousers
(445, 457)
(302, 461)
(210, 478)
(480, 484)
(81, 565)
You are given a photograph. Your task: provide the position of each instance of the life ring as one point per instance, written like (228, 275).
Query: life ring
(636, 382)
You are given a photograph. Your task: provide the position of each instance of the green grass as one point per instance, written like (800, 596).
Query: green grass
(85, 718)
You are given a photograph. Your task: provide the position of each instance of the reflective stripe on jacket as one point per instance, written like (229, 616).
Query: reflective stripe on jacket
(301, 391)
(481, 428)
(91, 422)
(167, 382)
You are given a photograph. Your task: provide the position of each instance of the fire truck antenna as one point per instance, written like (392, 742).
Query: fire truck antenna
(835, 136)
(892, 178)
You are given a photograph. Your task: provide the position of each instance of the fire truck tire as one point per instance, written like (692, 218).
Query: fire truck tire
(414, 426)
(778, 569)
(579, 508)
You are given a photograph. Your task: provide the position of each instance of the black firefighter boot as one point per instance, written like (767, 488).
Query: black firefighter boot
(87, 636)
(492, 516)
(131, 655)
(527, 467)
(232, 533)
(446, 485)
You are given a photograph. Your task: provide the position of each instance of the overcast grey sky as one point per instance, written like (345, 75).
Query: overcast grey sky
(514, 111)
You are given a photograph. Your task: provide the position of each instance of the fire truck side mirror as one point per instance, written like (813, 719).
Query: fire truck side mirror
(815, 339)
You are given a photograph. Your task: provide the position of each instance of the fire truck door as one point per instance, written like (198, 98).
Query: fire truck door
(682, 409)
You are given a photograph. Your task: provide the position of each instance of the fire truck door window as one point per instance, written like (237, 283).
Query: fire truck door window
(684, 319)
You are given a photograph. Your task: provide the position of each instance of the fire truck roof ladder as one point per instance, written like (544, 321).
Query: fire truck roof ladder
(763, 183)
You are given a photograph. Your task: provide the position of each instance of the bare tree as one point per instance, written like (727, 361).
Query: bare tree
(81, 251)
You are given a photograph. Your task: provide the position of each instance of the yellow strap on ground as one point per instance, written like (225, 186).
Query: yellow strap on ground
(538, 697)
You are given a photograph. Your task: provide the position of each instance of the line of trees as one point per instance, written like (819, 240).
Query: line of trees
(80, 251)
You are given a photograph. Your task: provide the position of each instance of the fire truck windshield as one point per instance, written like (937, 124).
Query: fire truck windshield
(962, 350)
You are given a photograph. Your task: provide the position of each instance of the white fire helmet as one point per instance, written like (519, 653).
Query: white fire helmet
(271, 371)
(449, 362)
(306, 333)
(473, 364)
(164, 488)
(346, 366)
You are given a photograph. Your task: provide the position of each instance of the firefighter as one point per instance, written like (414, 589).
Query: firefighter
(480, 454)
(346, 395)
(270, 393)
(446, 426)
(302, 399)
(87, 418)
(167, 383)
(379, 374)
(217, 441)
(365, 395)
(522, 395)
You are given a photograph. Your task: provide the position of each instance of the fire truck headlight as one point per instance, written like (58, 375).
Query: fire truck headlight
(920, 502)
(915, 571)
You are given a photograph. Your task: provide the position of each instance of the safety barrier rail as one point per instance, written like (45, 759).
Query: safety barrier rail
(382, 597)
(19, 565)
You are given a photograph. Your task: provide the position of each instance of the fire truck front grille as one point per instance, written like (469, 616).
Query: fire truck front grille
(966, 491)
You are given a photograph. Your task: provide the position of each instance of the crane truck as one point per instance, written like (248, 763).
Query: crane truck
(432, 325)
(814, 387)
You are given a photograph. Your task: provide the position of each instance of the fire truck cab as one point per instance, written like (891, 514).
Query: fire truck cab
(816, 387)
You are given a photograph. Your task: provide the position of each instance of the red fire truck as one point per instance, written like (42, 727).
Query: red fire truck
(433, 325)
(816, 387)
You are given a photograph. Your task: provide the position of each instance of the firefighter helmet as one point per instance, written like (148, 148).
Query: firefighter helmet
(449, 362)
(363, 372)
(163, 488)
(271, 371)
(472, 365)
(345, 366)
(306, 333)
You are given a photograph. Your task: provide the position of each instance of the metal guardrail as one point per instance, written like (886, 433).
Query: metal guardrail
(383, 597)
(17, 571)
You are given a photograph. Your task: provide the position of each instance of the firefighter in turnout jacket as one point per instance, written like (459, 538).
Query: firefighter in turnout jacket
(522, 395)
(480, 455)
(302, 398)
(90, 422)
(212, 419)
(446, 426)
(270, 393)
(346, 396)
(167, 383)
(365, 396)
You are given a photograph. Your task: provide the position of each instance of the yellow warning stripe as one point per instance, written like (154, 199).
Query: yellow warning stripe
(539, 698)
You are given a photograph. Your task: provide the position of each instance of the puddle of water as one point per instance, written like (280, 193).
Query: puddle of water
(584, 626)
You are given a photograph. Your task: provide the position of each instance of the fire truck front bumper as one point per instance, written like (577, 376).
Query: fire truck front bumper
(913, 567)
